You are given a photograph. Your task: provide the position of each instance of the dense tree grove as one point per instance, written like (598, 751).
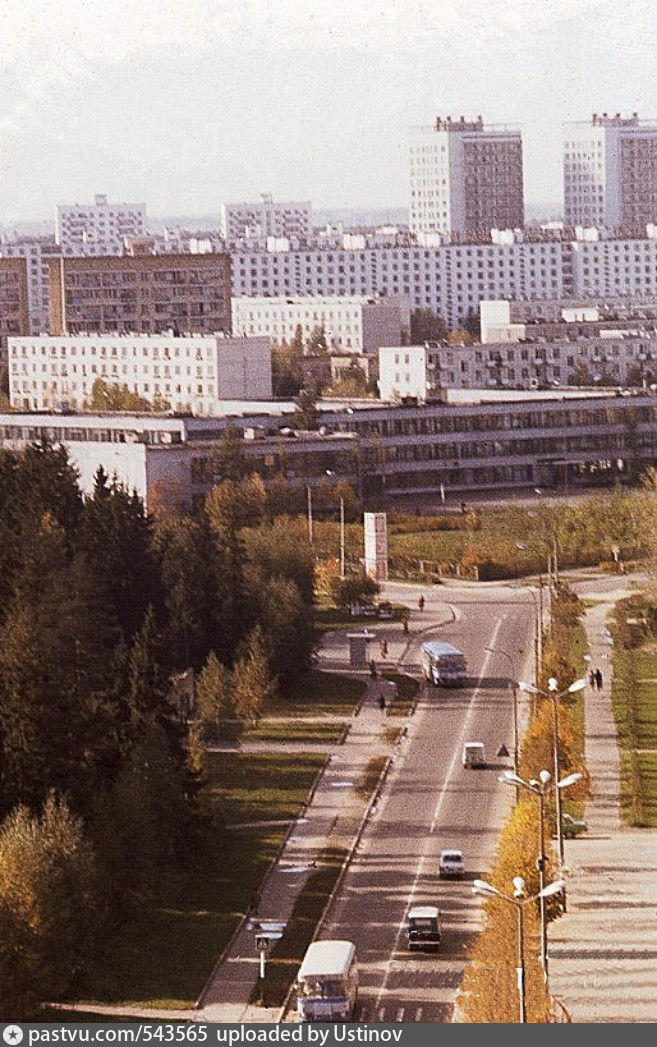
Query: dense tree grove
(100, 606)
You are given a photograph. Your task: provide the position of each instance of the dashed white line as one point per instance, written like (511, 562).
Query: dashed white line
(382, 1013)
(418, 1014)
(441, 798)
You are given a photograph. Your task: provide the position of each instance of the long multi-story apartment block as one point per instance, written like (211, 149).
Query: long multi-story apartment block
(189, 374)
(610, 171)
(143, 294)
(14, 314)
(465, 177)
(612, 358)
(98, 228)
(450, 279)
(350, 324)
(267, 218)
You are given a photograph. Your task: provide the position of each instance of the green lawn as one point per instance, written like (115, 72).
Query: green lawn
(300, 730)
(163, 957)
(407, 691)
(249, 787)
(321, 693)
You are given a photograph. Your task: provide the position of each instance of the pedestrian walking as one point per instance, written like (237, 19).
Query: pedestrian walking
(592, 679)
(373, 669)
(405, 624)
(420, 603)
(382, 703)
(598, 679)
(384, 648)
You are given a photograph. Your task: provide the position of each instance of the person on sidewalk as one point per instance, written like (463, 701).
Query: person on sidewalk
(598, 679)
(384, 648)
(420, 603)
(592, 679)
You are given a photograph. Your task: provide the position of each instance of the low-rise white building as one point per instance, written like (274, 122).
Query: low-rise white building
(409, 371)
(351, 324)
(189, 373)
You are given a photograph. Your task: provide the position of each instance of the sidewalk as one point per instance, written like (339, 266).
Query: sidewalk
(603, 952)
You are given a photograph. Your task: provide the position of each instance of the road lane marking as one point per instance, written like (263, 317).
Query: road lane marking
(382, 1013)
(400, 1014)
(441, 798)
(418, 1015)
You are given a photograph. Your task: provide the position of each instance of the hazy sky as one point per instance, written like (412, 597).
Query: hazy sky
(186, 103)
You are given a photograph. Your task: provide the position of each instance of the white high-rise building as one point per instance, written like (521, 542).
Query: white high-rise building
(258, 221)
(610, 171)
(98, 228)
(465, 177)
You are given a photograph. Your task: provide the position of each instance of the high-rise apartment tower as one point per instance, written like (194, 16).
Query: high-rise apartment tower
(465, 177)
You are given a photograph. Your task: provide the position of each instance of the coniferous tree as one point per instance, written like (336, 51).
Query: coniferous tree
(188, 568)
(56, 663)
(115, 536)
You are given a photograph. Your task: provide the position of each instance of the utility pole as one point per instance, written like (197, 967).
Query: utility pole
(342, 537)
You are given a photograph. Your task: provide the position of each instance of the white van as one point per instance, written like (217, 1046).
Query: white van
(327, 983)
(474, 754)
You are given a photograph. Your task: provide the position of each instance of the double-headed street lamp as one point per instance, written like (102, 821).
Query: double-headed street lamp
(555, 695)
(518, 900)
(539, 788)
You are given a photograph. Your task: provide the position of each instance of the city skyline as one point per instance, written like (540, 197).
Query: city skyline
(188, 106)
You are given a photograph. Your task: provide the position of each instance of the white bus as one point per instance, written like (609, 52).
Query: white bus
(327, 983)
(443, 664)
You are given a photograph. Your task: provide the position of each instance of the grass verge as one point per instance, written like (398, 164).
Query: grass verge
(296, 731)
(319, 693)
(408, 690)
(287, 954)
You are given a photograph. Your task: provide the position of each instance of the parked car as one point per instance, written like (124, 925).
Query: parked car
(385, 611)
(362, 610)
(451, 865)
(573, 827)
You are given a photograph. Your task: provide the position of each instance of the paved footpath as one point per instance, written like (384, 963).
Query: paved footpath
(603, 952)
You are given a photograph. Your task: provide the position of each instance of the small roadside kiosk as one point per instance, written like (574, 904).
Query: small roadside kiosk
(358, 654)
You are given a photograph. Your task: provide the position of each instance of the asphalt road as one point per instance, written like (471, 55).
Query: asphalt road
(432, 803)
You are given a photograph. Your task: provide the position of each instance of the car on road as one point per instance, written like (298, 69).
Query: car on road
(423, 927)
(451, 865)
(474, 754)
(385, 611)
(573, 827)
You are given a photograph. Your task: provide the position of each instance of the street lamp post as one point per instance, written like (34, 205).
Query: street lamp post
(505, 654)
(309, 501)
(555, 696)
(539, 788)
(519, 901)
